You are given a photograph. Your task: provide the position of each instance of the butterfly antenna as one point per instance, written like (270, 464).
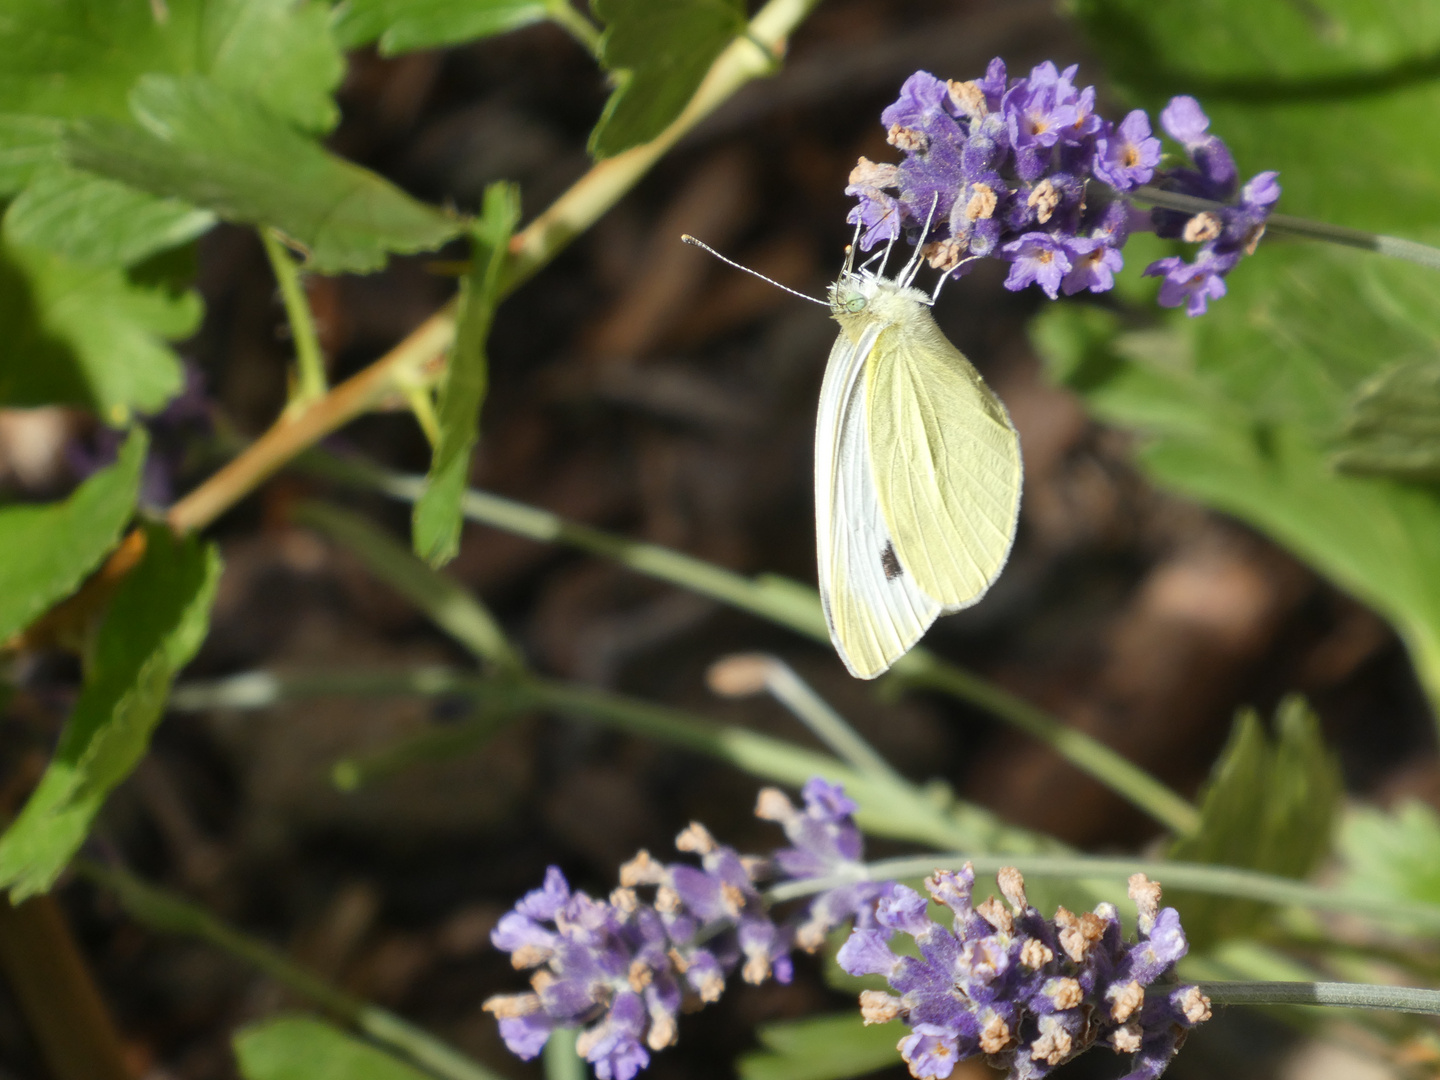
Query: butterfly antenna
(688, 239)
(912, 267)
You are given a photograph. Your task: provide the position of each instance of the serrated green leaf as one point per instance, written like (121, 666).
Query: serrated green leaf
(448, 604)
(47, 550)
(89, 219)
(81, 58)
(436, 519)
(64, 62)
(303, 1048)
(86, 335)
(656, 54)
(155, 623)
(223, 152)
(821, 1048)
(404, 25)
(1393, 424)
(1393, 856)
(1296, 87)
(1270, 805)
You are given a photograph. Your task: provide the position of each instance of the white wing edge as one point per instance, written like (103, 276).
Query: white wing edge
(850, 530)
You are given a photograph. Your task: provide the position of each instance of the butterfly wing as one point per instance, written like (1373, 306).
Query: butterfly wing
(947, 461)
(874, 610)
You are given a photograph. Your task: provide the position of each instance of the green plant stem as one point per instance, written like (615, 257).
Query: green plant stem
(310, 382)
(165, 911)
(903, 811)
(1197, 877)
(1409, 250)
(798, 607)
(562, 1060)
(564, 14)
(1344, 995)
(828, 725)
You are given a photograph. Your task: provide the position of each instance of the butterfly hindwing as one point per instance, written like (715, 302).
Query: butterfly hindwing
(946, 459)
(875, 610)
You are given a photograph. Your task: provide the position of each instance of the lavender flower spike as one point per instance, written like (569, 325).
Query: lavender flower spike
(1026, 992)
(620, 969)
(1024, 170)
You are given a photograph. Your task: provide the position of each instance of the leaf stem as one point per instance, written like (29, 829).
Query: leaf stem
(564, 15)
(310, 382)
(798, 607)
(1411, 251)
(169, 913)
(1345, 995)
(1197, 877)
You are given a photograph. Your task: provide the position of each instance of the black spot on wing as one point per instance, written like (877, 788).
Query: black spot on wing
(890, 563)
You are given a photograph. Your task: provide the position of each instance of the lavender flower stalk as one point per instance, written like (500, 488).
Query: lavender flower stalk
(1026, 992)
(622, 968)
(1024, 170)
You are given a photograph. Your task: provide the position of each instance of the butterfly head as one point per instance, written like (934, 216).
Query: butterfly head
(850, 295)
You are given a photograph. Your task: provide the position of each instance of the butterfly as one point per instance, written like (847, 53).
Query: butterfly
(917, 471)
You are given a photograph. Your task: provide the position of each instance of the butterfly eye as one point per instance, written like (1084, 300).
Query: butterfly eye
(855, 304)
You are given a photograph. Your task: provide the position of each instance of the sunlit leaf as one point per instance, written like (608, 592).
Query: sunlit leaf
(223, 152)
(47, 549)
(656, 54)
(303, 1048)
(89, 219)
(821, 1048)
(1270, 805)
(1298, 87)
(437, 511)
(156, 621)
(403, 25)
(87, 335)
(68, 61)
(1393, 856)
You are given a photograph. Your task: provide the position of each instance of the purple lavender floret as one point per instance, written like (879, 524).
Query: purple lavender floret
(825, 842)
(1024, 170)
(620, 968)
(1026, 992)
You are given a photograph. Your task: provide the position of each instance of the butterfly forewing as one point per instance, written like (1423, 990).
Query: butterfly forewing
(945, 458)
(875, 611)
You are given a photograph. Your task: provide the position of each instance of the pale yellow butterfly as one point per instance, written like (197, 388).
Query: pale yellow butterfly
(917, 471)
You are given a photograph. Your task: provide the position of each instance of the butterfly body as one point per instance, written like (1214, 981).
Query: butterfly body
(917, 475)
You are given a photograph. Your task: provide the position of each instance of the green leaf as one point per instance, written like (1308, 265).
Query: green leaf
(1297, 87)
(444, 600)
(65, 62)
(27, 144)
(46, 551)
(1393, 856)
(223, 152)
(1270, 806)
(302, 1048)
(156, 621)
(89, 219)
(656, 54)
(87, 335)
(81, 58)
(405, 25)
(1393, 426)
(437, 511)
(1243, 407)
(821, 1048)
